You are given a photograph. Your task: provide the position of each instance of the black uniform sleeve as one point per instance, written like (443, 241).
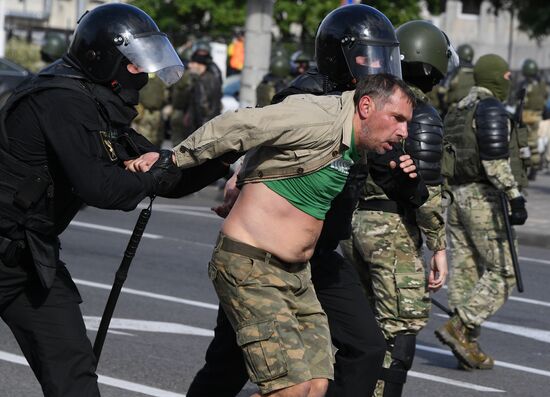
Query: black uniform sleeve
(70, 122)
(194, 179)
(491, 121)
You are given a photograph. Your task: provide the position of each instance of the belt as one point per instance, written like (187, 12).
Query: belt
(11, 250)
(380, 205)
(236, 247)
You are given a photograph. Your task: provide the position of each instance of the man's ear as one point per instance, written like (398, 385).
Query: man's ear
(366, 106)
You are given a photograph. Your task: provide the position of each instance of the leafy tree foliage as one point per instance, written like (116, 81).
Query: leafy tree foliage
(533, 15)
(219, 18)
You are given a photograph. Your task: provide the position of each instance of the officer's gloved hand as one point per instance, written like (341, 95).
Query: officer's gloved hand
(396, 183)
(165, 173)
(519, 212)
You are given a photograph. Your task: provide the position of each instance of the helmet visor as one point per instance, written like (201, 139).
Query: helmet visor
(365, 59)
(454, 60)
(153, 53)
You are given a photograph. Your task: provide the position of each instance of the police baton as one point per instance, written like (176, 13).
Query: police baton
(120, 277)
(442, 307)
(510, 237)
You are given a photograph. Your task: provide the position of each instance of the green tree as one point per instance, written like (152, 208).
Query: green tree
(217, 18)
(181, 18)
(533, 15)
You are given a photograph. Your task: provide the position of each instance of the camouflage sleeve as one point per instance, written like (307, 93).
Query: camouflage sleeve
(500, 175)
(429, 218)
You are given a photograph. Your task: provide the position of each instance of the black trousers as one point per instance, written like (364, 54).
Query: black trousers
(49, 328)
(354, 331)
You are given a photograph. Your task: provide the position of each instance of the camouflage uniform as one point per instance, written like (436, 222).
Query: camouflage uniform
(149, 121)
(459, 84)
(535, 96)
(386, 249)
(195, 100)
(481, 271)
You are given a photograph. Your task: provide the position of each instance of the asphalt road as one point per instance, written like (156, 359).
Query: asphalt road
(167, 310)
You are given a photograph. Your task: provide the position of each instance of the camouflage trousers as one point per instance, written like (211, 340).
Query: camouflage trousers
(149, 123)
(386, 252)
(481, 269)
(273, 308)
(385, 249)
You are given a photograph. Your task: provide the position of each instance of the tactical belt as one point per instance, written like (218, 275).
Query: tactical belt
(11, 251)
(380, 205)
(236, 247)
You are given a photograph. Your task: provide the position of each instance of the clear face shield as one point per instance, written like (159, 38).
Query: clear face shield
(454, 60)
(365, 59)
(152, 53)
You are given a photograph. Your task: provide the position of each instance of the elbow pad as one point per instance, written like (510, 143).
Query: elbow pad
(492, 129)
(425, 142)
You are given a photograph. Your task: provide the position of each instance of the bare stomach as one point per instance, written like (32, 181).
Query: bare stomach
(263, 219)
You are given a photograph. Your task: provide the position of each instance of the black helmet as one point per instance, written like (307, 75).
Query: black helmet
(529, 68)
(55, 45)
(356, 40)
(114, 32)
(465, 53)
(426, 53)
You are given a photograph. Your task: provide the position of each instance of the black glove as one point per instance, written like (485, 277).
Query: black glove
(519, 213)
(397, 184)
(165, 173)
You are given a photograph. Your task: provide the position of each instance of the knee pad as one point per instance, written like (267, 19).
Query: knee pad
(402, 354)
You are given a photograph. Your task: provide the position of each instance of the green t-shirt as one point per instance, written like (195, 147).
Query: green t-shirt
(313, 193)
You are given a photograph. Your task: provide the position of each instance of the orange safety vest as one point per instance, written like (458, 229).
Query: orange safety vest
(236, 54)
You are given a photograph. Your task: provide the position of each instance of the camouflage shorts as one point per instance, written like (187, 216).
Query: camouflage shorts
(279, 322)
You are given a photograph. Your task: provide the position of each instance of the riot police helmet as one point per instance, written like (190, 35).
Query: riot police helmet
(354, 41)
(54, 46)
(114, 33)
(426, 53)
(529, 68)
(465, 53)
(279, 66)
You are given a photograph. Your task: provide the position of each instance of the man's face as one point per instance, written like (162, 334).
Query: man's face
(382, 127)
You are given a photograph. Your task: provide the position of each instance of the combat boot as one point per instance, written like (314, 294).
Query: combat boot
(483, 361)
(455, 335)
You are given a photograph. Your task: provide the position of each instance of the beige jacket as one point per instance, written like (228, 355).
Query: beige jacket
(297, 136)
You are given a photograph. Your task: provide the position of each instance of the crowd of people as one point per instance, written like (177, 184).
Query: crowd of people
(341, 178)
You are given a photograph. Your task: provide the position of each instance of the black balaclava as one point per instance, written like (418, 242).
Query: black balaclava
(127, 85)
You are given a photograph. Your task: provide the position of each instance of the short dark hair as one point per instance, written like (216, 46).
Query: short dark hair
(380, 87)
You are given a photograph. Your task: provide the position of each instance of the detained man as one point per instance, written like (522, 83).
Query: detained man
(298, 156)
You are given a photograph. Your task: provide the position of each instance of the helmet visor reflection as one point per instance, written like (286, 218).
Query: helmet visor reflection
(153, 53)
(364, 59)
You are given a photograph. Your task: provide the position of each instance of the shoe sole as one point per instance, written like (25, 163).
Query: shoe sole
(459, 353)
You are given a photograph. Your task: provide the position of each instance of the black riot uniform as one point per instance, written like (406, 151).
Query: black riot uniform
(63, 140)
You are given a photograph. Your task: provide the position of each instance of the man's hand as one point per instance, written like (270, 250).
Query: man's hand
(438, 270)
(230, 194)
(143, 163)
(406, 164)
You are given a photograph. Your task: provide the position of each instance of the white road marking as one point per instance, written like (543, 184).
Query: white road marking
(106, 380)
(148, 294)
(113, 229)
(527, 332)
(530, 301)
(535, 260)
(498, 363)
(522, 300)
(452, 382)
(92, 323)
